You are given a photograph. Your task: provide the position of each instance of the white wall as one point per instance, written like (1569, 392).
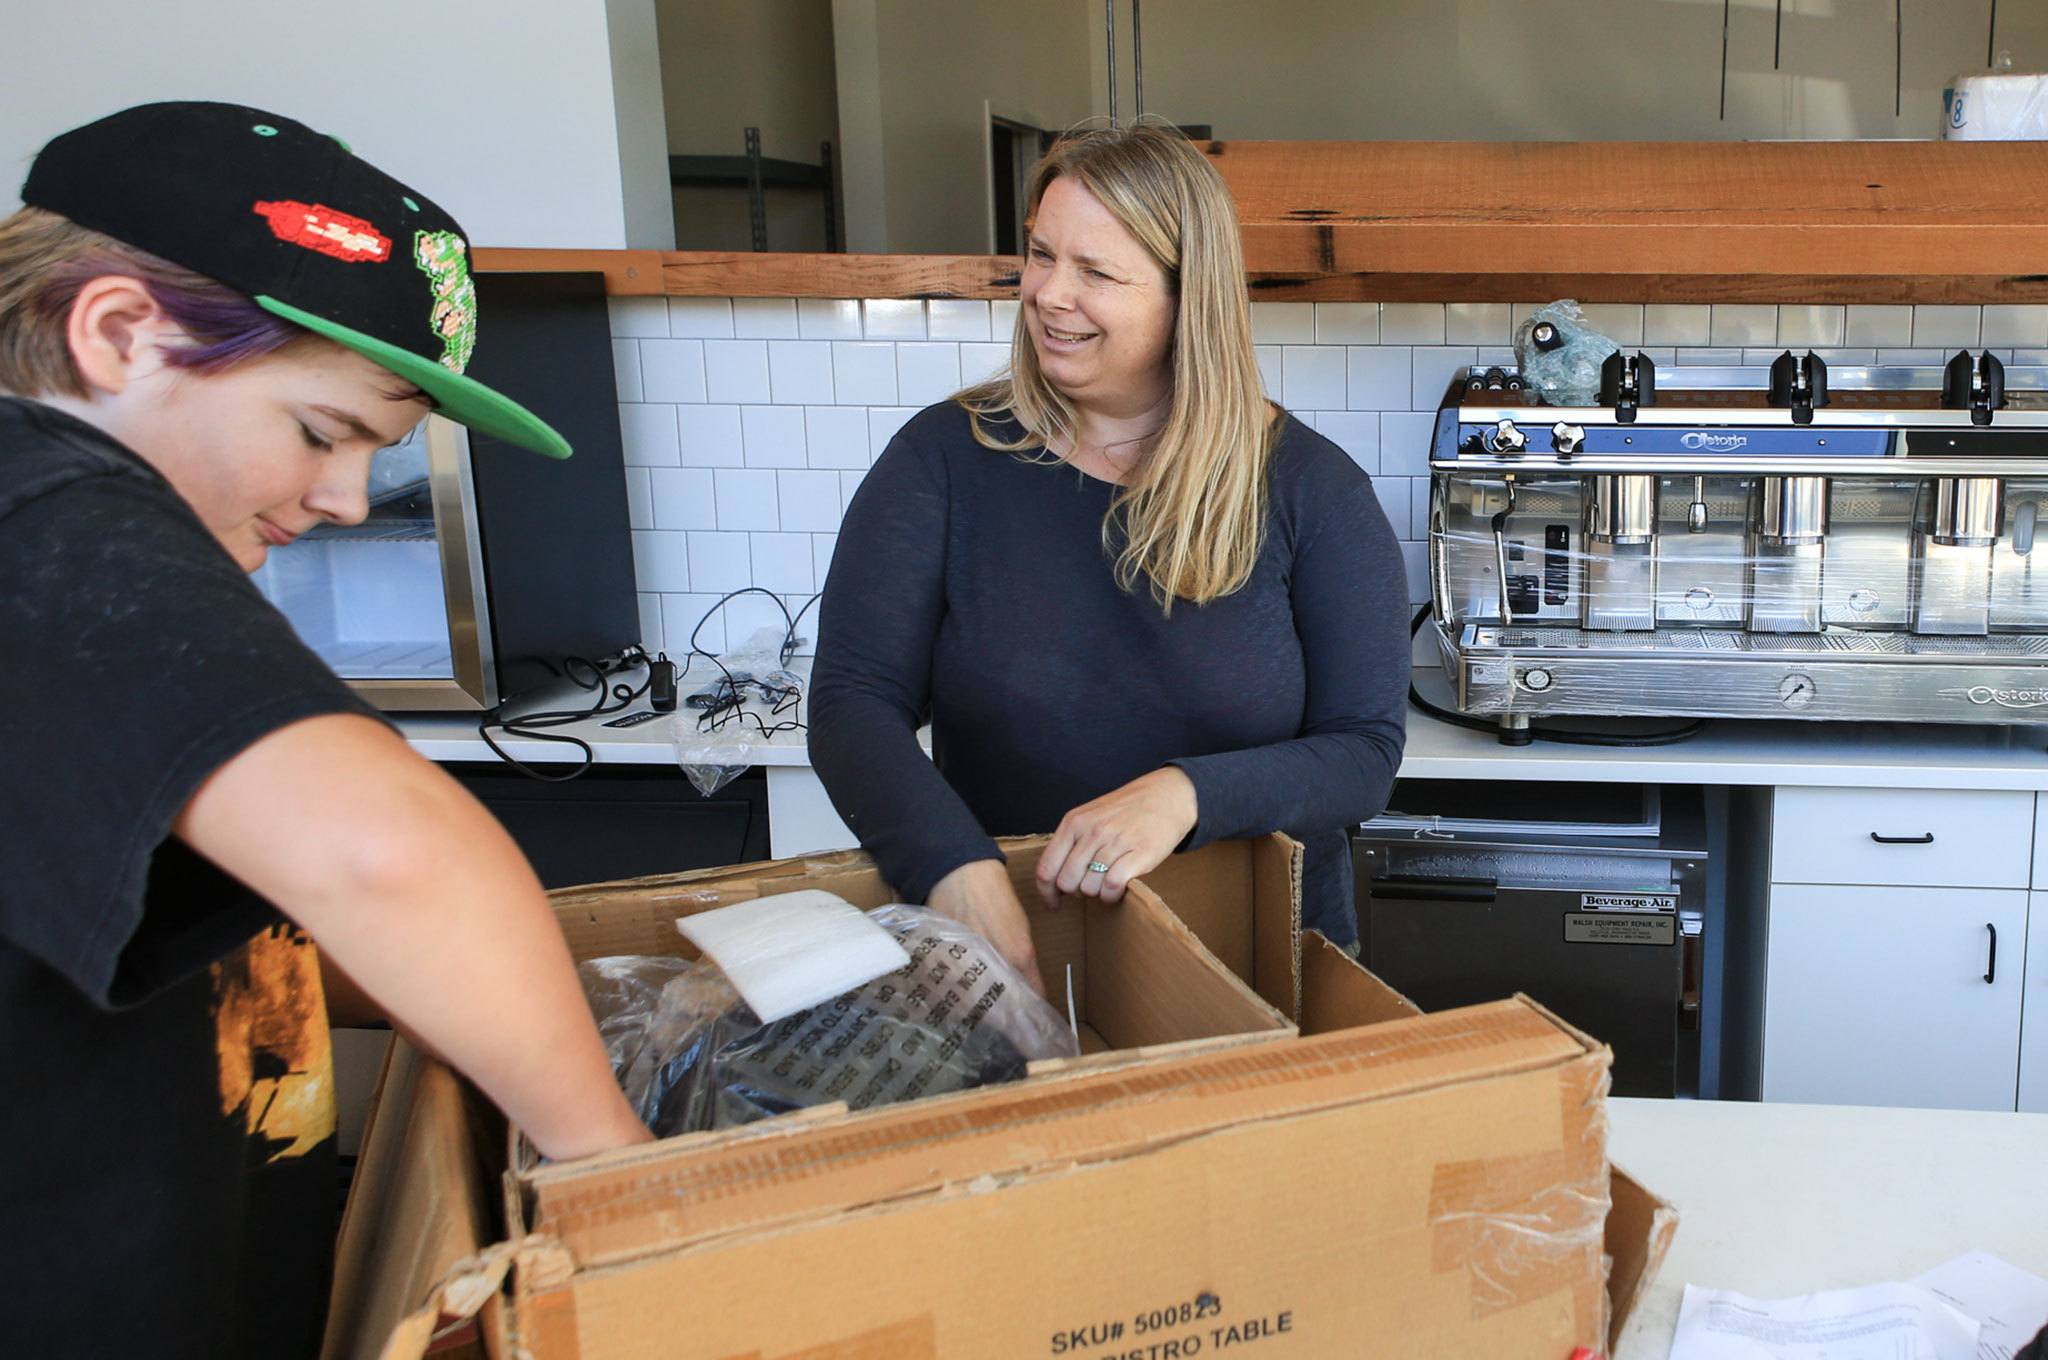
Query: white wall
(503, 111)
(923, 76)
(733, 64)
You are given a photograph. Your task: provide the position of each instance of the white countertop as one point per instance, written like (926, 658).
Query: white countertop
(1880, 755)
(1781, 1200)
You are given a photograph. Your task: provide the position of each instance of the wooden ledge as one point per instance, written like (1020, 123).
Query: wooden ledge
(1773, 222)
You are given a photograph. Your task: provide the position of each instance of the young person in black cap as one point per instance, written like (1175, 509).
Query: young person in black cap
(210, 318)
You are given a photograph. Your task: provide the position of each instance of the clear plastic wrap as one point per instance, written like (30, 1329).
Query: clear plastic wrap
(1998, 105)
(1560, 354)
(742, 699)
(691, 1056)
(1702, 595)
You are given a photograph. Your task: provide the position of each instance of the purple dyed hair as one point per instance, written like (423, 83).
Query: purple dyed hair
(227, 327)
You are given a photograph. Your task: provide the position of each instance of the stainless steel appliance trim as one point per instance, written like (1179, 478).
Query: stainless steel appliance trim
(453, 490)
(1672, 465)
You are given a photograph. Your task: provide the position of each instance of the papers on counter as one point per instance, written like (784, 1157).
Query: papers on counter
(1975, 1307)
(2011, 1304)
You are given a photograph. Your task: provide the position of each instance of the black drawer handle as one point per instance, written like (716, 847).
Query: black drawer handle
(1925, 838)
(1991, 967)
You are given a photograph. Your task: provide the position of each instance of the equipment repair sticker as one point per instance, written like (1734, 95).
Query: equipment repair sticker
(1623, 918)
(1196, 1326)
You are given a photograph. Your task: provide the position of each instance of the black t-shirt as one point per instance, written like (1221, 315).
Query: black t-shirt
(167, 1177)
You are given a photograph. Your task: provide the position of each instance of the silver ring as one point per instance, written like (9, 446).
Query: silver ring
(1096, 866)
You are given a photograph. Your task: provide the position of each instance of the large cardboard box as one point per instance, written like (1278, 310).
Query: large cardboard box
(1385, 1182)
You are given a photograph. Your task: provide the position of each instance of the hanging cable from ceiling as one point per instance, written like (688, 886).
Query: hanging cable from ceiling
(1109, 24)
(1725, 4)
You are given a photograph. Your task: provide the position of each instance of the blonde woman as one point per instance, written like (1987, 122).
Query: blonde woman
(1141, 607)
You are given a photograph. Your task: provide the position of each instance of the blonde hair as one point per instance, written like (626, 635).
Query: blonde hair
(1192, 516)
(46, 259)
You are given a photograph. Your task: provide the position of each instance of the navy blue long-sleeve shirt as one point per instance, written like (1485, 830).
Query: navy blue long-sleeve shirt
(972, 588)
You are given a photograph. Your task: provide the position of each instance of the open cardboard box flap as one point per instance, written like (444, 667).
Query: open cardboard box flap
(421, 1259)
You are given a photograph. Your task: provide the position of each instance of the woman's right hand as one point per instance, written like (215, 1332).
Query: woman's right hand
(978, 895)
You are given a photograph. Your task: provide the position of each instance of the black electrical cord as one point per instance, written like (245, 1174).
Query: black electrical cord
(585, 674)
(1563, 736)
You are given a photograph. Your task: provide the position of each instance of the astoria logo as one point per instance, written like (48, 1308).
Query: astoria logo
(1725, 443)
(2004, 698)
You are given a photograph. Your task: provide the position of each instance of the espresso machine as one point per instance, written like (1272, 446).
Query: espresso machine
(1749, 543)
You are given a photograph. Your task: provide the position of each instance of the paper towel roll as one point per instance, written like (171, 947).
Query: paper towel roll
(1996, 106)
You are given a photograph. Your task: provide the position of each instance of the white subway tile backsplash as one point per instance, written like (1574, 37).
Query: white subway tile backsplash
(1380, 377)
(639, 498)
(957, 319)
(821, 563)
(1947, 325)
(782, 563)
(2015, 326)
(626, 369)
(1677, 323)
(682, 498)
(1404, 442)
(648, 435)
(672, 370)
(1913, 357)
(978, 363)
(1415, 558)
(1808, 327)
(661, 560)
(1763, 355)
(828, 318)
(1847, 356)
(1412, 323)
(1477, 323)
(864, 372)
(1002, 320)
(680, 615)
(650, 622)
(764, 318)
(810, 501)
(2034, 357)
(719, 562)
(711, 436)
(773, 436)
(1283, 323)
(1621, 322)
(637, 316)
(1355, 432)
(1312, 377)
(1393, 494)
(883, 423)
(746, 500)
(893, 319)
(1663, 355)
(1709, 358)
(703, 318)
(849, 482)
(1418, 511)
(1270, 369)
(1434, 368)
(1743, 323)
(1878, 325)
(836, 436)
(1490, 355)
(800, 372)
(926, 373)
(1347, 323)
(736, 370)
(755, 623)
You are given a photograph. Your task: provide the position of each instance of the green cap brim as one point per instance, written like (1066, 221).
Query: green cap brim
(463, 400)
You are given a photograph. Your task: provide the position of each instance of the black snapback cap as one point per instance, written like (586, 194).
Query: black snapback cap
(307, 229)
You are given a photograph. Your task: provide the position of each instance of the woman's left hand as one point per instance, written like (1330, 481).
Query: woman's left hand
(1129, 831)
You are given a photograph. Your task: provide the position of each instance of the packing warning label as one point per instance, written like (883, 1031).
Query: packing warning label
(1185, 1327)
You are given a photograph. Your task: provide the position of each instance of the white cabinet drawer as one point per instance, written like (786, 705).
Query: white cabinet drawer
(1945, 838)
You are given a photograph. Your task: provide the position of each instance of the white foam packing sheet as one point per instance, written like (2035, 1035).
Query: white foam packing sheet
(794, 950)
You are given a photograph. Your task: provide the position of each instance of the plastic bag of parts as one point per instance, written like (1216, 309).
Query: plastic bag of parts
(1560, 355)
(1999, 105)
(746, 698)
(691, 1056)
